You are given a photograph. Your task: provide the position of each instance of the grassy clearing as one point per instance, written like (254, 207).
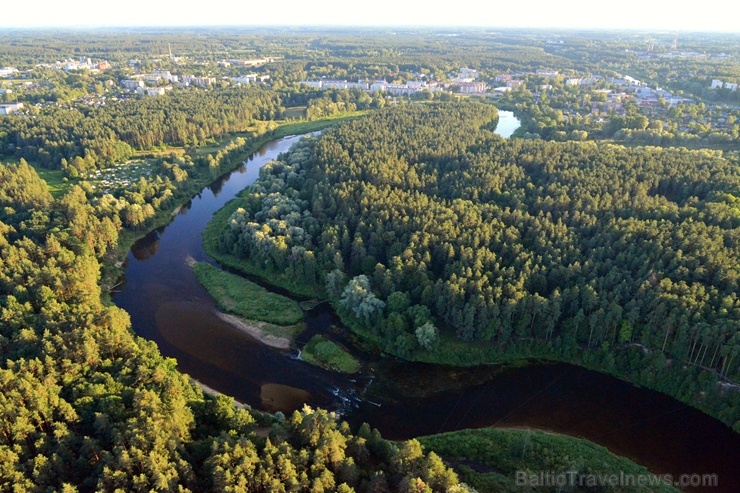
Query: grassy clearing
(322, 352)
(161, 152)
(55, 180)
(497, 454)
(246, 299)
(295, 112)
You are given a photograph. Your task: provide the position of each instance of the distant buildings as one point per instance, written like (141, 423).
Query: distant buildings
(153, 91)
(9, 108)
(165, 75)
(245, 63)
(473, 87)
(132, 84)
(8, 71)
(467, 74)
(250, 79)
(718, 84)
(191, 80)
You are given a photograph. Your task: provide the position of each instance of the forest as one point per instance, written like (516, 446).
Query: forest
(434, 239)
(90, 138)
(425, 228)
(87, 406)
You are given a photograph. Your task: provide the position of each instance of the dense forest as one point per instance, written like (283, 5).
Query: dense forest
(423, 225)
(90, 138)
(87, 406)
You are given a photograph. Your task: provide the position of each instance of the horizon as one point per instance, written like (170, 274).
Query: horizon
(629, 15)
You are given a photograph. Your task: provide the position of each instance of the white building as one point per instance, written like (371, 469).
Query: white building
(473, 87)
(153, 91)
(165, 75)
(731, 86)
(8, 108)
(132, 84)
(8, 71)
(378, 85)
(311, 83)
(717, 84)
(467, 73)
(198, 81)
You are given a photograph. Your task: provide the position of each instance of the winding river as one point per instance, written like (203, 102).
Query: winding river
(401, 399)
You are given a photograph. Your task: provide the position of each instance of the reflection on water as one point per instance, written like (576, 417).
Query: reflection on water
(146, 246)
(507, 124)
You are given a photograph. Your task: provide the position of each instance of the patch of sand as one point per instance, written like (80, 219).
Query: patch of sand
(278, 397)
(254, 329)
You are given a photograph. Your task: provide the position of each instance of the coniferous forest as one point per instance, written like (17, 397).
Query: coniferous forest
(423, 225)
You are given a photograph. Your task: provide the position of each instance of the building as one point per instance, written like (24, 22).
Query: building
(311, 83)
(731, 86)
(473, 87)
(165, 75)
(8, 71)
(717, 84)
(132, 84)
(8, 108)
(378, 85)
(198, 81)
(467, 73)
(153, 91)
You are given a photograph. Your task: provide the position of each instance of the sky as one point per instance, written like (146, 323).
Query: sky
(715, 15)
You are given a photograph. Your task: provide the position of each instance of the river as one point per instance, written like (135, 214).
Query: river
(401, 399)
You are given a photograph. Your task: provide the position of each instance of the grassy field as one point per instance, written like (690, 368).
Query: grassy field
(54, 179)
(489, 458)
(322, 352)
(246, 299)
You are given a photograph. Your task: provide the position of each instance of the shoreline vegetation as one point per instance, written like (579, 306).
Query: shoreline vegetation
(488, 459)
(270, 318)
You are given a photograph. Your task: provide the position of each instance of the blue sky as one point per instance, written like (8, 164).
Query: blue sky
(668, 15)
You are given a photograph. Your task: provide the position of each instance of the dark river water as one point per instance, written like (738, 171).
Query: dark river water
(401, 399)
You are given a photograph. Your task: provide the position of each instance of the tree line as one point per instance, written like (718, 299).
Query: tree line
(90, 138)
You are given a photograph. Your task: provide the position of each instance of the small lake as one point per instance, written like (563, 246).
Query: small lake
(507, 124)
(168, 306)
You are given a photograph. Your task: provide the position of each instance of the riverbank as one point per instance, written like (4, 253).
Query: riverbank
(494, 459)
(112, 263)
(237, 295)
(260, 331)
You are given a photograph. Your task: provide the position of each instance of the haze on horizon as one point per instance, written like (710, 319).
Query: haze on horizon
(580, 14)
